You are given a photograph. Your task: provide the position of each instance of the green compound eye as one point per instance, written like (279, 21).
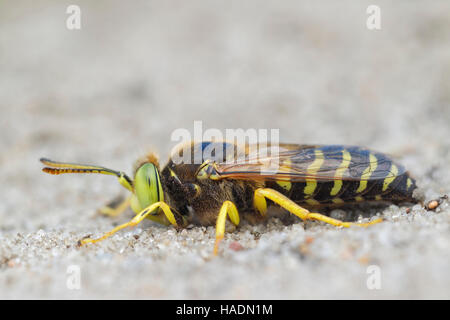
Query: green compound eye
(147, 185)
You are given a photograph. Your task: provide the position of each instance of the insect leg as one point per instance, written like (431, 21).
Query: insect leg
(136, 220)
(228, 209)
(115, 207)
(286, 203)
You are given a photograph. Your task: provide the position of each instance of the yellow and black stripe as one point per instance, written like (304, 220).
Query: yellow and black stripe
(329, 174)
(359, 175)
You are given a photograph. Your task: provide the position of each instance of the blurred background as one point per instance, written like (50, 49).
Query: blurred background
(136, 71)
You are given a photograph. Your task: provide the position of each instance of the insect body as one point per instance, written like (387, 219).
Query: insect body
(206, 188)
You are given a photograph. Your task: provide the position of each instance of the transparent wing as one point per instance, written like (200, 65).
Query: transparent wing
(292, 162)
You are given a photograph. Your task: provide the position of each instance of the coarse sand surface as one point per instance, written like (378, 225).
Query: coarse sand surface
(135, 72)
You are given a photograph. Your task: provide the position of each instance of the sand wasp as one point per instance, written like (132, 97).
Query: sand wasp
(209, 191)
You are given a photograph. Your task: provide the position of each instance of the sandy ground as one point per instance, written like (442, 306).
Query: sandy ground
(133, 74)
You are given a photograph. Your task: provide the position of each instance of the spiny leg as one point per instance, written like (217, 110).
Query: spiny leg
(228, 209)
(136, 220)
(115, 207)
(260, 204)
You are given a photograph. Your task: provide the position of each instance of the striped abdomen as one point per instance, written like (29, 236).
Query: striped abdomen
(358, 175)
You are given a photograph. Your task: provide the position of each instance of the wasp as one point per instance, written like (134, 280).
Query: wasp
(205, 188)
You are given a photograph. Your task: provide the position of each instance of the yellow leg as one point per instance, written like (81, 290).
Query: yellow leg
(228, 209)
(136, 220)
(286, 203)
(114, 210)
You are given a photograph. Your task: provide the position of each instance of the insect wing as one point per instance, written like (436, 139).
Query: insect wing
(299, 163)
